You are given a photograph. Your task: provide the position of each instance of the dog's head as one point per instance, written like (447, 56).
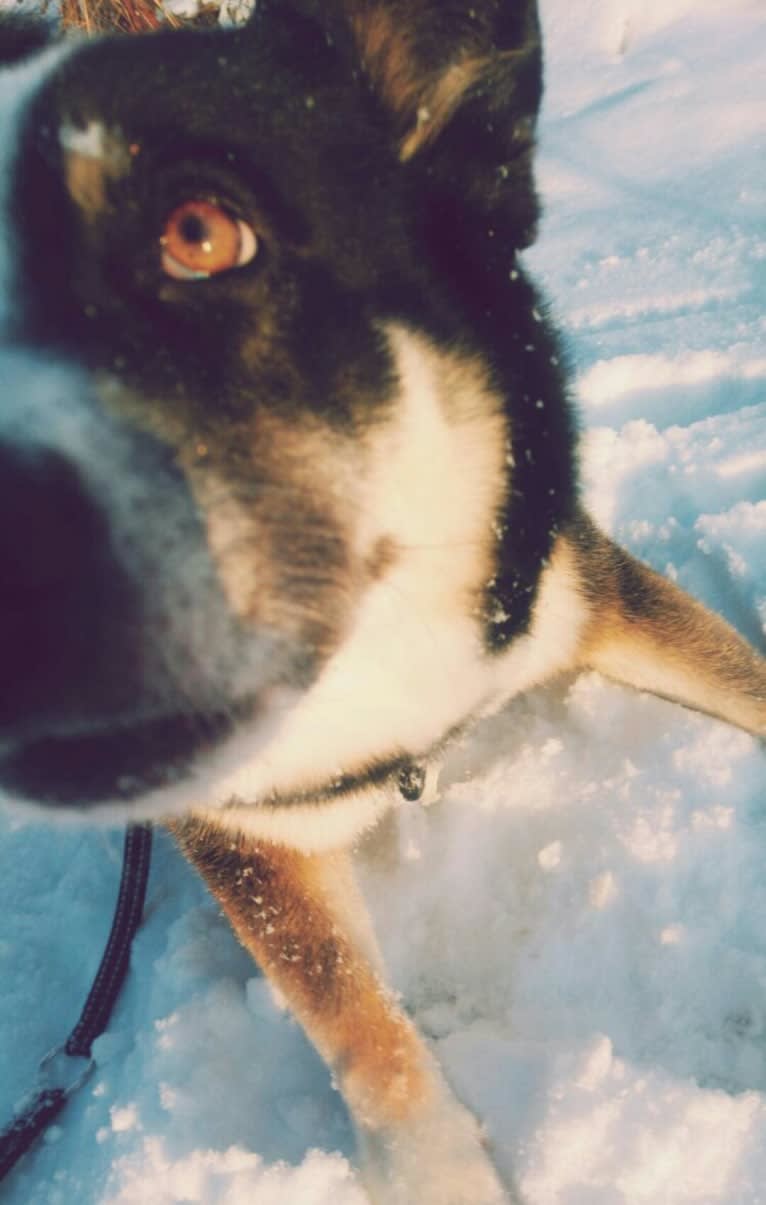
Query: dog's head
(222, 253)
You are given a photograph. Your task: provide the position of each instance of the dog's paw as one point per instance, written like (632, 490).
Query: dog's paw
(437, 1159)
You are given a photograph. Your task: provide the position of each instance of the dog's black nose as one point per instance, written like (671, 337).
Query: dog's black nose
(48, 528)
(56, 576)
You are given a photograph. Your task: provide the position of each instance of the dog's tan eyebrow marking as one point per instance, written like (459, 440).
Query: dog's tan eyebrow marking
(93, 153)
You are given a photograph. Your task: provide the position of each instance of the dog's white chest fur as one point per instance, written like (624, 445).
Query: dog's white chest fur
(413, 666)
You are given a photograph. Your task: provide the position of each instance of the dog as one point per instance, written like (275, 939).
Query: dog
(289, 481)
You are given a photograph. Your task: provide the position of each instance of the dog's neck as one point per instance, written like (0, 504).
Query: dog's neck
(435, 487)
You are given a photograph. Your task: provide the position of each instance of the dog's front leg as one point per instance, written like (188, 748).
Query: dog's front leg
(302, 918)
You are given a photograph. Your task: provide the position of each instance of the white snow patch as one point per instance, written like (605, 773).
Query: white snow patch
(609, 379)
(231, 1177)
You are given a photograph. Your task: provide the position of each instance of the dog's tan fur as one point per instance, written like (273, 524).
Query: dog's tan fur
(645, 631)
(303, 920)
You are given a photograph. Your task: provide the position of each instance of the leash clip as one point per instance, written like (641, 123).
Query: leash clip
(57, 1064)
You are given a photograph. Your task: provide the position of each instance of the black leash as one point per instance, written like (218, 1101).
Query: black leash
(37, 1113)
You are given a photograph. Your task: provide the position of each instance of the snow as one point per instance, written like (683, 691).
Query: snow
(579, 923)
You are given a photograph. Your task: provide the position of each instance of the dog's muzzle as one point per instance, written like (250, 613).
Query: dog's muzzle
(121, 660)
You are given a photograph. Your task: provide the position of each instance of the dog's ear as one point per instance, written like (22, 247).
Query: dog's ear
(460, 84)
(430, 59)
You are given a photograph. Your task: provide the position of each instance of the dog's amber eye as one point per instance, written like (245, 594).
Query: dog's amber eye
(201, 239)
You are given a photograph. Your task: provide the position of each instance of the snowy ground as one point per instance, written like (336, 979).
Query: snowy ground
(580, 923)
